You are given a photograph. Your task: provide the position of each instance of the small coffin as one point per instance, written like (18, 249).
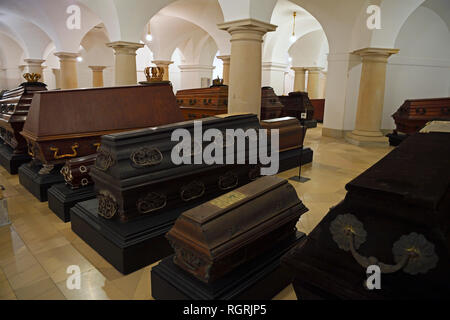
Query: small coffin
(291, 132)
(216, 237)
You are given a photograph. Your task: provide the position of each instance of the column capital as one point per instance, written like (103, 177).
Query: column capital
(162, 63)
(97, 68)
(225, 59)
(247, 29)
(195, 67)
(67, 55)
(125, 47)
(34, 61)
(379, 54)
(314, 69)
(298, 69)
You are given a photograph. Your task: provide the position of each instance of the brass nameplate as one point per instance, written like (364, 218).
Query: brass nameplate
(228, 199)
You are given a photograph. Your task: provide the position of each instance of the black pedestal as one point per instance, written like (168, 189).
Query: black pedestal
(259, 279)
(396, 138)
(10, 161)
(291, 158)
(309, 123)
(62, 197)
(36, 183)
(127, 246)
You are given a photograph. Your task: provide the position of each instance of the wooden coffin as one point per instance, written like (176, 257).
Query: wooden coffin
(203, 102)
(14, 106)
(414, 114)
(319, 109)
(134, 174)
(298, 105)
(64, 124)
(395, 215)
(291, 132)
(271, 106)
(216, 237)
(76, 171)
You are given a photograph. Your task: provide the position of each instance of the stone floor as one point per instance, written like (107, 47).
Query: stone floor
(37, 248)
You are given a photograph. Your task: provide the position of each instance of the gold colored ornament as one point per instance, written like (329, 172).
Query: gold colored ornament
(32, 77)
(154, 74)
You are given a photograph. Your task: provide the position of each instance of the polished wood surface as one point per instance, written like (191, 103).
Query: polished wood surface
(66, 124)
(291, 132)
(414, 114)
(203, 102)
(319, 109)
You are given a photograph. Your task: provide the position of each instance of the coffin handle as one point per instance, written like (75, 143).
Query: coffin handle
(68, 155)
(97, 146)
(413, 253)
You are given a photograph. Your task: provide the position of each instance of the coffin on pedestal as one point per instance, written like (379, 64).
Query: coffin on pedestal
(134, 174)
(271, 106)
(396, 215)
(203, 102)
(298, 105)
(414, 114)
(14, 106)
(64, 124)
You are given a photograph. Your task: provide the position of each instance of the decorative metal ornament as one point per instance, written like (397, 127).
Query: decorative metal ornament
(146, 157)
(151, 202)
(107, 204)
(228, 181)
(192, 191)
(412, 253)
(104, 160)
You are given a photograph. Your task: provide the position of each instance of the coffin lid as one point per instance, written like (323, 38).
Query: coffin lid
(84, 111)
(417, 172)
(235, 214)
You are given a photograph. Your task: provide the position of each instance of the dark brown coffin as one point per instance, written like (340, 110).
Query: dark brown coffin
(399, 206)
(203, 102)
(206, 102)
(414, 114)
(64, 124)
(14, 106)
(76, 171)
(290, 131)
(216, 237)
(271, 106)
(134, 174)
(298, 105)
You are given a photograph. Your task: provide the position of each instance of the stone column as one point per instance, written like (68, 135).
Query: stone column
(57, 74)
(125, 64)
(313, 82)
(68, 69)
(322, 85)
(191, 75)
(244, 93)
(371, 97)
(165, 65)
(226, 68)
(97, 76)
(35, 66)
(299, 78)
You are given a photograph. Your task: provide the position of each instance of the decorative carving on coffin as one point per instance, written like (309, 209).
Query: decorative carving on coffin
(151, 202)
(107, 204)
(67, 155)
(228, 181)
(146, 156)
(65, 171)
(192, 191)
(412, 252)
(104, 160)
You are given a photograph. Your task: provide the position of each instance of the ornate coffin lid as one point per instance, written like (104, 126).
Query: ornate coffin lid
(61, 114)
(14, 103)
(156, 143)
(235, 219)
(415, 173)
(424, 109)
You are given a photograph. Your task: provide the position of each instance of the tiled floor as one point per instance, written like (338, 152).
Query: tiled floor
(37, 248)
